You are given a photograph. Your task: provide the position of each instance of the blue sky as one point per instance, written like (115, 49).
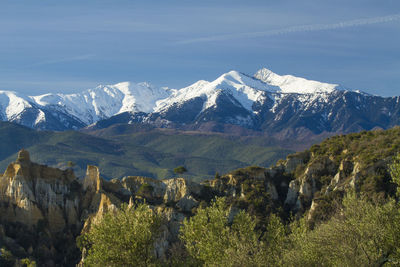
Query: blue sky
(67, 46)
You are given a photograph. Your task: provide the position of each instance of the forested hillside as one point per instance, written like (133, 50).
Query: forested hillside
(141, 151)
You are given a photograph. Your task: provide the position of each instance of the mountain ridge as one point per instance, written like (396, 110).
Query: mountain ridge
(266, 102)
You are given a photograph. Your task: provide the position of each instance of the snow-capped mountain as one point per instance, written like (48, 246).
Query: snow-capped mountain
(244, 89)
(277, 104)
(73, 111)
(23, 110)
(229, 98)
(292, 84)
(104, 101)
(285, 106)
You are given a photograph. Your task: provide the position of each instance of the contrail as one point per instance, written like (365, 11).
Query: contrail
(294, 29)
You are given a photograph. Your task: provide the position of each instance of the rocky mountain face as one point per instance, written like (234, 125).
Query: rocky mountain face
(44, 209)
(281, 105)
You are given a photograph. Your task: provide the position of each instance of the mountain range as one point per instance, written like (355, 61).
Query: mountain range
(283, 106)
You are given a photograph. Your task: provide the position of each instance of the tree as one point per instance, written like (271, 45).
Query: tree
(362, 233)
(395, 173)
(180, 170)
(275, 238)
(70, 164)
(213, 240)
(122, 238)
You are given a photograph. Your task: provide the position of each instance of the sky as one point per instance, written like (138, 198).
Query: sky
(68, 46)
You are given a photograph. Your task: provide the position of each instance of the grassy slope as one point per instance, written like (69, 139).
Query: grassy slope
(152, 153)
(366, 147)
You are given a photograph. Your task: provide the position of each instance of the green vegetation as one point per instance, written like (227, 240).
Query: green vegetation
(7, 259)
(145, 190)
(253, 195)
(28, 263)
(151, 153)
(211, 239)
(362, 233)
(71, 164)
(357, 230)
(395, 173)
(180, 170)
(124, 237)
(370, 150)
(367, 146)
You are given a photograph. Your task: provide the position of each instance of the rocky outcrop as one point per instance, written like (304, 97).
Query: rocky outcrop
(30, 193)
(53, 201)
(92, 180)
(177, 191)
(296, 160)
(40, 205)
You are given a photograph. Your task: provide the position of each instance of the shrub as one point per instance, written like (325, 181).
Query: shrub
(145, 190)
(212, 240)
(122, 238)
(180, 170)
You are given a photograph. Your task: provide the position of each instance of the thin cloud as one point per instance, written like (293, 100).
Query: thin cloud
(62, 60)
(295, 29)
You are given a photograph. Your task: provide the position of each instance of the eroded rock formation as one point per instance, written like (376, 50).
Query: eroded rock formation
(44, 209)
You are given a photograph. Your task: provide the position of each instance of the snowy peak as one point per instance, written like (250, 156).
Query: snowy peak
(243, 88)
(235, 79)
(293, 84)
(12, 104)
(105, 101)
(198, 89)
(140, 97)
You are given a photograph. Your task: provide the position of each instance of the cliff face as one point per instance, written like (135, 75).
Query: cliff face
(30, 193)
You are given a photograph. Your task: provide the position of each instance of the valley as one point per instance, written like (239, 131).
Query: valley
(144, 151)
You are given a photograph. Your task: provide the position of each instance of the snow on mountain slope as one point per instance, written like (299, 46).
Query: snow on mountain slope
(12, 104)
(245, 89)
(104, 101)
(292, 84)
(232, 97)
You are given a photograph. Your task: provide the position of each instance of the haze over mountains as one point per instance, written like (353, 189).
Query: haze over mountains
(283, 106)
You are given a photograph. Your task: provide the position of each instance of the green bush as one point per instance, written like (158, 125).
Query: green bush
(363, 233)
(122, 238)
(180, 170)
(211, 239)
(145, 190)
